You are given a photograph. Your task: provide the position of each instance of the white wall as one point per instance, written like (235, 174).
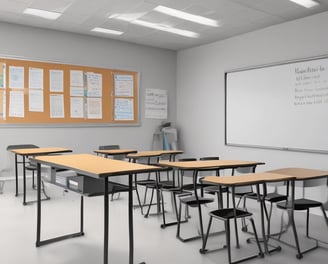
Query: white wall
(157, 68)
(200, 87)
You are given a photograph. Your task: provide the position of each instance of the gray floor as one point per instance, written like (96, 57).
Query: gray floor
(152, 244)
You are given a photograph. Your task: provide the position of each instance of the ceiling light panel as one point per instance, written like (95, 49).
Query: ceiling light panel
(305, 3)
(181, 32)
(187, 16)
(107, 31)
(42, 13)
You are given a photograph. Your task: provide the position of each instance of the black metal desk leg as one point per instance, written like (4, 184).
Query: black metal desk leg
(130, 212)
(38, 226)
(16, 174)
(299, 253)
(131, 239)
(106, 217)
(261, 200)
(24, 182)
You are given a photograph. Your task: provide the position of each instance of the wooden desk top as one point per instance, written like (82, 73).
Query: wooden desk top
(208, 164)
(115, 151)
(40, 151)
(94, 166)
(247, 179)
(153, 153)
(301, 173)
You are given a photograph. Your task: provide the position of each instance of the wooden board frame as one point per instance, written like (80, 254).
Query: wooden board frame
(42, 118)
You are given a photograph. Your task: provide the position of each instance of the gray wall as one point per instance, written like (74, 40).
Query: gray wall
(200, 87)
(157, 68)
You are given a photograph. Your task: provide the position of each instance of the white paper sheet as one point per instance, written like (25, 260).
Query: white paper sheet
(35, 78)
(35, 100)
(16, 77)
(156, 104)
(76, 78)
(94, 84)
(77, 107)
(123, 109)
(56, 106)
(94, 108)
(123, 85)
(56, 80)
(16, 104)
(2, 75)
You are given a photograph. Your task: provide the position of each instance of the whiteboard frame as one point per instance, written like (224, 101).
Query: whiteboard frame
(259, 67)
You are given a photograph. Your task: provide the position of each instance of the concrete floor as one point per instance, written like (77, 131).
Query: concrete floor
(60, 215)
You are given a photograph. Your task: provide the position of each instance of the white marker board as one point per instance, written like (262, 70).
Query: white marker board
(282, 106)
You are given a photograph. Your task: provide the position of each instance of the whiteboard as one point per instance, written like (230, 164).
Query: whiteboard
(282, 106)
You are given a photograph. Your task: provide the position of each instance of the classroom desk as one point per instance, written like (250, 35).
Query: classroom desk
(99, 168)
(149, 155)
(300, 174)
(114, 152)
(154, 153)
(207, 165)
(252, 179)
(115, 186)
(32, 152)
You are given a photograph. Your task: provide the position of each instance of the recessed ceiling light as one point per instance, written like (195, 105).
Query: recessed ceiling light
(305, 3)
(187, 16)
(42, 13)
(107, 31)
(165, 28)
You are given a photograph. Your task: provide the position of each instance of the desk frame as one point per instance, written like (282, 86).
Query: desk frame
(26, 152)
(207, 165)
(104, 174)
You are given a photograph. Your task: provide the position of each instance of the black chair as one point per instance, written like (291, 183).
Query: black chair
(303, 204)
(271, 198)
(29, 165)
(191, 198)
(115, 188)
(212, 188)
(227, 214)
(176, 188)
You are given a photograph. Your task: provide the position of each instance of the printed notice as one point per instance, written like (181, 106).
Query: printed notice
(16, 104)
(56, 106)
(35, 100)
(76, 78)
(77, 109)
(123, 85)
(94, 106)
(56, 81)
(2, 75)
(156, 104)
(35, 78)
(94, 84)
(2, 105)
(123, 109)
(16, 77)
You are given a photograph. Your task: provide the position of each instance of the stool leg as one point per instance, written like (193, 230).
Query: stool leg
(203, 249)
(324, 214)
(163, 210)
(307, 221)
(179, 221)
(257, 238)
(151, 202)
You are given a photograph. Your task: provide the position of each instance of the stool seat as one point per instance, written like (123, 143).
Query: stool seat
(229, 213)
(192, 201)
(299, 204)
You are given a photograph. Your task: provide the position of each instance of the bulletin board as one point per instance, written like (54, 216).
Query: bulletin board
(36, 93)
